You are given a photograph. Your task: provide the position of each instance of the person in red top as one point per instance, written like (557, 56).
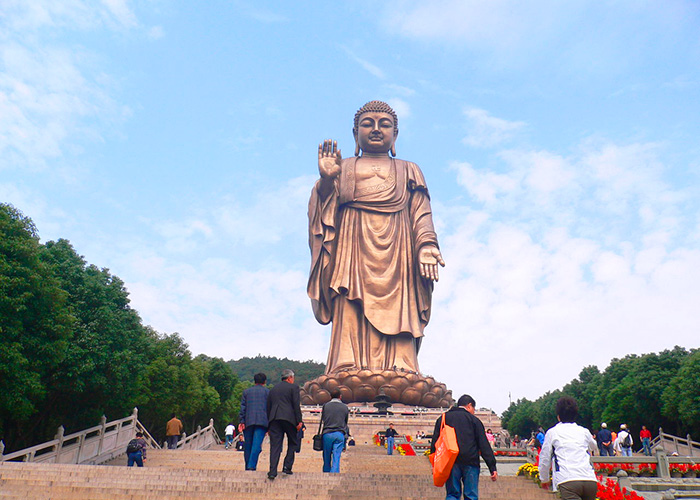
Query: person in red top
(645, 436)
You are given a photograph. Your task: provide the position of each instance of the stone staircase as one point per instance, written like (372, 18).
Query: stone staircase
(366, 472)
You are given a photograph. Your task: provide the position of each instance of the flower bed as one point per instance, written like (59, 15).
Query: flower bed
(647, 469)
(684, 470)
(608, 489)
(406, 449)
(514, 453)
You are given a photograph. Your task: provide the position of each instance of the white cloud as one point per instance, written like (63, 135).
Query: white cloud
(21, 16)
(120, 11)
(485, 131)
(259, 13)
(484, 186)
(499, 23)
(366, 65)
(156, 32)
(400, 90)
(535, 290)
(402, 108)
(53, 97)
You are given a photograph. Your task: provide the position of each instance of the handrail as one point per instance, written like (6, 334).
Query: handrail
(147, 435)
(201, 439)
(674, 444)
(94, 445)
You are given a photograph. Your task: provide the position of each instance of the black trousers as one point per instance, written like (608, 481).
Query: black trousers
(276, 430)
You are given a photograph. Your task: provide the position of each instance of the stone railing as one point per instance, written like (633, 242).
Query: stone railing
(673, 444)
(91, 446)
(200, 440)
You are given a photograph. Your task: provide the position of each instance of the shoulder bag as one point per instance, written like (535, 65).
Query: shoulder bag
(446, 451)
(318, 437)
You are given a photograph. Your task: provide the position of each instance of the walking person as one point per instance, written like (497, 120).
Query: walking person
(390, 436)
(334, 418)
(569, 446)
(284, 417)
(472, 442)
(229, 432)
(136, 451)
(253, 420)
(173, 431)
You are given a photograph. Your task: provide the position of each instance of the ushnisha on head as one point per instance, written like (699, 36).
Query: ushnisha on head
(375, 128)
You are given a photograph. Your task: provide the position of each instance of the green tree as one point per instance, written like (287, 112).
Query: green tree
(173, 382)
(272, 367)
(34, 326)
(682, 396)
(583, 390)
(100, 374)
(521, 418)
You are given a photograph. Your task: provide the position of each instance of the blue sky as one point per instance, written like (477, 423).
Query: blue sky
(175, 144)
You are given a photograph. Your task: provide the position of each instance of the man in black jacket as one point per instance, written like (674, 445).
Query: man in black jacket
(472, 441)
(284, 416)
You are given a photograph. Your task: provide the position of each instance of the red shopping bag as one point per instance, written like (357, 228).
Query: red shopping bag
(446, 451)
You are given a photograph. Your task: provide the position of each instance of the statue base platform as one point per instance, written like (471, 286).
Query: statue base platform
(364, 386)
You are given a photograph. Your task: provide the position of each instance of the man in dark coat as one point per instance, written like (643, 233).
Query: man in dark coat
(472, 442)
(253, 420)
(604, 439)
(284, 416)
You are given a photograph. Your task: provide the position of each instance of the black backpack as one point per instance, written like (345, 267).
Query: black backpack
(626, 441)
(133, 446)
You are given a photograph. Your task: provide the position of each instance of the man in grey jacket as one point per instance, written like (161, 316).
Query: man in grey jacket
(335, 427)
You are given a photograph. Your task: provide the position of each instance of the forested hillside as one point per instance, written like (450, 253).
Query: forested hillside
(245, 368)
(656, 390)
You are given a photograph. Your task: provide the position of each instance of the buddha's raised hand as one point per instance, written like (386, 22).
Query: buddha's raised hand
(329, 159)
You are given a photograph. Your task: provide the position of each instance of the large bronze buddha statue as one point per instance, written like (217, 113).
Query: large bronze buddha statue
(374, 258)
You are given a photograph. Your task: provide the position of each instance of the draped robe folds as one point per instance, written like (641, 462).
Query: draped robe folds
(364, 275)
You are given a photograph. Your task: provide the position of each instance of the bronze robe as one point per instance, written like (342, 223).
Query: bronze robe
(364, 274)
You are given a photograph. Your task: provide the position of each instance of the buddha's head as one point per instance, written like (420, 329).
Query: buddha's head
(376, 128)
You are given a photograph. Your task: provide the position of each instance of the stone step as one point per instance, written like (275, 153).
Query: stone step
(366, 472)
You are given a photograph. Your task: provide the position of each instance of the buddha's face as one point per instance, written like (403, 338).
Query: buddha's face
(375, 132)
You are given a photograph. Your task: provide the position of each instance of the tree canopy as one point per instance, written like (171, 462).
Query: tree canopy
(655, 389)
(72, 349)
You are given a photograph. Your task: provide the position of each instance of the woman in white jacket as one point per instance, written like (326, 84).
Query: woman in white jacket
(567, 451)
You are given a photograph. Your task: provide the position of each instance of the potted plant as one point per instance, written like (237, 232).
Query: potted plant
(695, 470)
(630, 469)
(647, 470)
(677, 470)
(690, 471)
(603, 468)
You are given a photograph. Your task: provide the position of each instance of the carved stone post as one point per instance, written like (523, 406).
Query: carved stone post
(59, 436)
(103, 425)
(662, 465)
(690, 446)
(81, 441)
(2, 449)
